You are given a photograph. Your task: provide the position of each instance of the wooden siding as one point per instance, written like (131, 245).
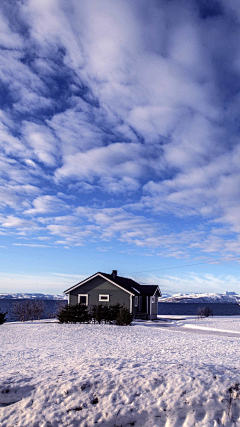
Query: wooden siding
(97, 286)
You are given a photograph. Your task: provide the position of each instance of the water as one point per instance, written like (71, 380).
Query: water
(168, 308)
(192, 308)
(50, 307)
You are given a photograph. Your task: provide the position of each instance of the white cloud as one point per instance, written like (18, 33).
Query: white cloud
(125, 99)
(76, 130)
(42, 141)
(117, 167)
(47, 204)
(30, 245)
(191, 282)
(9, 39)
(14, 222)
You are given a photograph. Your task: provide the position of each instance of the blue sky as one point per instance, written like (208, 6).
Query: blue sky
(119, 143)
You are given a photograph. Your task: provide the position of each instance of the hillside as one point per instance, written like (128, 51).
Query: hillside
(32, 296)
(202, 298)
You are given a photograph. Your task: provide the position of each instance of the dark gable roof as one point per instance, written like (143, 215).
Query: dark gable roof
(131, 286)
(127, 284)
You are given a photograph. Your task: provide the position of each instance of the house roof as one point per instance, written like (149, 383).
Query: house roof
(132, 286)
(128, 285)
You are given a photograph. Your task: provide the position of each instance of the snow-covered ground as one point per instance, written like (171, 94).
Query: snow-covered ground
(203, 298)
(223, 324)
(100, 375)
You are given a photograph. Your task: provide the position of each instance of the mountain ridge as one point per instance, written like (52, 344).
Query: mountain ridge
(203, 298)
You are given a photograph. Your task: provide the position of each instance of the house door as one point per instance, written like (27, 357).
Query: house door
(143, 304)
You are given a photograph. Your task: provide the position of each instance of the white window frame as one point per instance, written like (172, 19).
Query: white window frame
(136, 301)
(103, 300)
(153, 300)
(83, 295)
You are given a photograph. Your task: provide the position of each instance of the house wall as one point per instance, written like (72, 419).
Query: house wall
(154, 308)
(151, 308)
(97, 286)
(134, 309)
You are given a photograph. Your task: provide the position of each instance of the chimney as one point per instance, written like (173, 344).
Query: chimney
(114, 274)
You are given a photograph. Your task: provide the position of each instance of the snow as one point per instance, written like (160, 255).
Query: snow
(150, 374)
(223, 324)
(203, 298)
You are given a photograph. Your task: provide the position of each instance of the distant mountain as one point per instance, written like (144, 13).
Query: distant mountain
(33, 296)
(165, 295)
(203, 298)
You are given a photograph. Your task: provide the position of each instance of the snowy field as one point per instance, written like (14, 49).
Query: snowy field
(223, 324)
(99, 375)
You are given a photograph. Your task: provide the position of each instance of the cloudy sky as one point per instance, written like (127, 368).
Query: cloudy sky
(120, 143)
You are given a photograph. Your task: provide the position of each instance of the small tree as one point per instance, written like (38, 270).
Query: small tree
(2, 317)
(28, 310)
(204, 312)
(20, 310)
(37, 309)
(124, 317)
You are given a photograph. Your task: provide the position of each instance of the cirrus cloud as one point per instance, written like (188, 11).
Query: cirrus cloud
(128, 110)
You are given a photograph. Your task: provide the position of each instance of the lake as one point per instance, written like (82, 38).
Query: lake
(168, 308)
(189, 308)
(51, 307)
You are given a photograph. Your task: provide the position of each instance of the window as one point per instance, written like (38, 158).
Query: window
(104, 298)
(153, 300)
(136, 301)
(83, 299)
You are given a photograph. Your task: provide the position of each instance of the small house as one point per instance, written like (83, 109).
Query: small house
(111, 289)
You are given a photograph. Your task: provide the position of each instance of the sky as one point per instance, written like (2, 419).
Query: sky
(120, 143)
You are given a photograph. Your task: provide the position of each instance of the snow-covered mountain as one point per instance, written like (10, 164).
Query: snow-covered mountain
(203, 298)
(165, 295)
(33, 296)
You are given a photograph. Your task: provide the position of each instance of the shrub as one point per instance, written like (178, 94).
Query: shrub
(98, 313)
(63, 314)
(124, 317)
(114, 311)
(2, 318)
(28, 310)
(105, 313)
(74, 314)
(204, 312)
(80, 313)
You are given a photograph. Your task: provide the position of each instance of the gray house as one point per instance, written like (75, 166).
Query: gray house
(103, 288)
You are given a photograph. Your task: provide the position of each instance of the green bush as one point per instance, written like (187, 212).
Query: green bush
(114, 311)
(105, 313)
(74, 314)
(2, 318)
(101, 313)
(124, 317)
